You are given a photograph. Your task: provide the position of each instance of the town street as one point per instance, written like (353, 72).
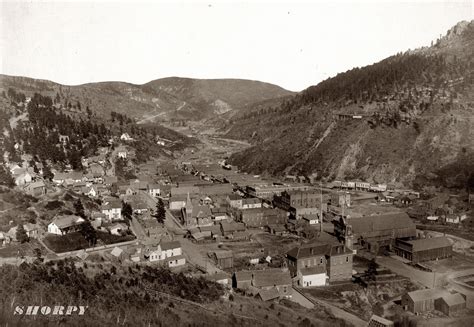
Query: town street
(425, 278)
(189, 248)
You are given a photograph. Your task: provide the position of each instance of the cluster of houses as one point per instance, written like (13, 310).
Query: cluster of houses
(33, 231)
(164, 252)
(28, 178)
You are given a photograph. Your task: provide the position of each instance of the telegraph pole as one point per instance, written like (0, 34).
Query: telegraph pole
(321, 208)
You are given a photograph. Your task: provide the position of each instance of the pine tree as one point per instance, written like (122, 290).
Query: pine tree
(160, 214)
(89, 233)
(21, 235)
(79, 208)
(127, 210)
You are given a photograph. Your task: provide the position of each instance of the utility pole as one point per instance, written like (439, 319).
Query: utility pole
(321, 208)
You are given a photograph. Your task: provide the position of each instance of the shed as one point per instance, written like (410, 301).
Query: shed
(242, 279)
(224, 259)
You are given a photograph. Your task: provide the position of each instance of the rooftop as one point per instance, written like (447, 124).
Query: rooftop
(223, 254)
(388, 221)
(267, 295)
(67, 221)
(170, 245)
(271, 277)
(454, 299)
(431, 293)
(243, 275)
(430, 243)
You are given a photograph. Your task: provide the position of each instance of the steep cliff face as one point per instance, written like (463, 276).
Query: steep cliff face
(406, 119)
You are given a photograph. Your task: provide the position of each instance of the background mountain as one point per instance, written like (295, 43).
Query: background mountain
(162, 99)
(408, 119)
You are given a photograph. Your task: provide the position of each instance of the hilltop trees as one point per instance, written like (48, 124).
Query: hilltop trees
(52, 135)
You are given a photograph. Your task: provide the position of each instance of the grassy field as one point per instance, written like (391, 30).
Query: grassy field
(75, 241)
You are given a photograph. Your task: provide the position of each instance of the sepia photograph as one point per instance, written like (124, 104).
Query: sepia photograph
(237, 163)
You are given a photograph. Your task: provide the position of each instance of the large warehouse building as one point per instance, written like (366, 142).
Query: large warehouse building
(426, 249)
(373, 232)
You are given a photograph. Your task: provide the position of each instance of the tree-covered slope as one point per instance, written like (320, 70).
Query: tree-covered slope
(415, 109)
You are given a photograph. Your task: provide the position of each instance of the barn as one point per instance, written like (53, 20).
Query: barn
(422, 300)
(450, 304)
(426, 249)
(433, 299)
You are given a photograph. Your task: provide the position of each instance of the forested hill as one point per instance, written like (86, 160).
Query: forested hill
(137, 296)
(173, 98)
(59, 136)
(405, 119)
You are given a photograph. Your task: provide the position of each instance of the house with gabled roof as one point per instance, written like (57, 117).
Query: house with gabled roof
(229, 229)
(64, 224)
(37, 188)
(112, 209)
(278, 279)
(154, 189)
(168, 252)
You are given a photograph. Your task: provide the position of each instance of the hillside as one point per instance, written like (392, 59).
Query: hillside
(405, 119)
(138, 296)
(162, 99)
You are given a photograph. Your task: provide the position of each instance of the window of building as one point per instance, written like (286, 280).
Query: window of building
(347, 259)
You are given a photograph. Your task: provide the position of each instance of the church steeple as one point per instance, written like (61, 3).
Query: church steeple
(189, 210)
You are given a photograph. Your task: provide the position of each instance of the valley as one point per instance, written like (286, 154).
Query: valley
(235, 202)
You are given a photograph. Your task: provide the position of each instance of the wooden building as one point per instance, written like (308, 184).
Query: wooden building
(261, 217)
(450, 304)
(373, 232)
(433, 299)
(426, 249)
(224, 259)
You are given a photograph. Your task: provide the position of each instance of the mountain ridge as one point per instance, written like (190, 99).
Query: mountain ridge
(202, 98)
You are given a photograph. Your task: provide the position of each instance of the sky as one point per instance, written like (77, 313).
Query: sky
(291, 44)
